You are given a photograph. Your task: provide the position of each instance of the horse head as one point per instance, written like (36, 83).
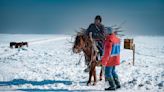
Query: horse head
(79, 42)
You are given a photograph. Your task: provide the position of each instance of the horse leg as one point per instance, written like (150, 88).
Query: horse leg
(99, 63)
(16, 46)
(11, 46)
(94, 74)
(90, 76)
(101, 74)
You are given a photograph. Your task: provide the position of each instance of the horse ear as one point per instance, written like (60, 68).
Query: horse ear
(78, 33)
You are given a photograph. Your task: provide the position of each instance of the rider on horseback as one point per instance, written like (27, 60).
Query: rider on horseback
(98, 34)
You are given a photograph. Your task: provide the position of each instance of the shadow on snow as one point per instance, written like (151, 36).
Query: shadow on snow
(22, 81)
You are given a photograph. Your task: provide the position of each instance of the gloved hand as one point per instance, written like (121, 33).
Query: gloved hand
(104, 61)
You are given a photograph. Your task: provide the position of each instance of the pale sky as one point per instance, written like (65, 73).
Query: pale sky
(143, 17)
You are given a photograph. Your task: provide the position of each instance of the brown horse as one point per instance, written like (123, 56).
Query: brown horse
(85, 43)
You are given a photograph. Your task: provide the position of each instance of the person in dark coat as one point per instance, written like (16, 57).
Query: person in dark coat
(97, 29)
(98, 35)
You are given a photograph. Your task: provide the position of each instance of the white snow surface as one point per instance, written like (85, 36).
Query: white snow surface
(48, 64)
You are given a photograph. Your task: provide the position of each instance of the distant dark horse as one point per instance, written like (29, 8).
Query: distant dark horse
(86, 44)
(18, 44)
(25, 44)
(12, 44)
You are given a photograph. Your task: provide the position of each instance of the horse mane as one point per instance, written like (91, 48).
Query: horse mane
(84, 36)
(82, 31)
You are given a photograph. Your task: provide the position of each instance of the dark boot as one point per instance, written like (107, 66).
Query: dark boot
(86, 69)
(112, 85)
(116, 80)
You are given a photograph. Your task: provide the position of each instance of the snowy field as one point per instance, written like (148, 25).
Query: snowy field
(48, 64)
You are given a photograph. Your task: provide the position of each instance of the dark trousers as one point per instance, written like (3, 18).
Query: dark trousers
(99, 45)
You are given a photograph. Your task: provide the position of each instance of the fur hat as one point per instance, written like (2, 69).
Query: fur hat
(109, 30)
(98, 17)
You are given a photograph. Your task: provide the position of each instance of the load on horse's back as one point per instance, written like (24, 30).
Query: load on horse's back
(84, 43)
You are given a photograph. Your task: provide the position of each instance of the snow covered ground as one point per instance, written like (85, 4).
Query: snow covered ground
(48, 64)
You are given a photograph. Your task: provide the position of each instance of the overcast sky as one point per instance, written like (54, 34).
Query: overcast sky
(143, 17)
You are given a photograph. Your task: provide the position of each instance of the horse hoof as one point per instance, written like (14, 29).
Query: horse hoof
(94, 83)
(88, 83)
(100, 78)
